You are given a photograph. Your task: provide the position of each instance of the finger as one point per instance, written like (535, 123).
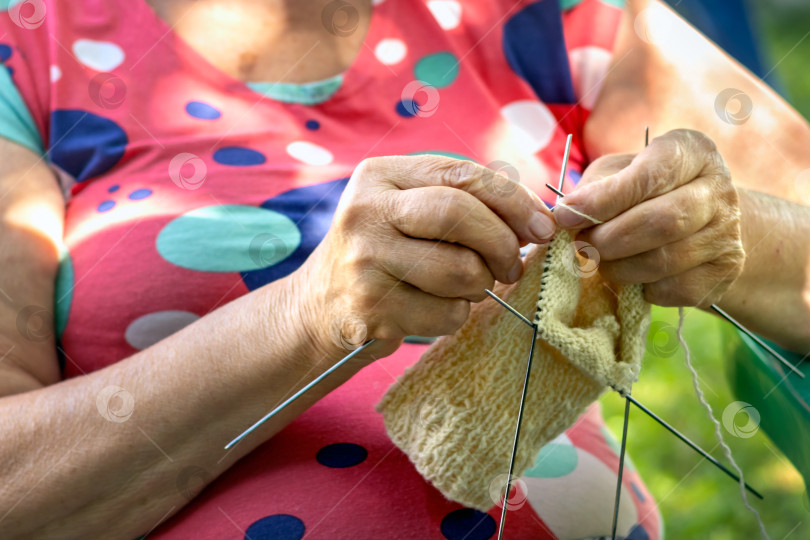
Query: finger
(668, 162)
(655, 222)
(701, 286)
(521, 209)
(665, 261)
(440, 269)
(407, 311)
(451, 215)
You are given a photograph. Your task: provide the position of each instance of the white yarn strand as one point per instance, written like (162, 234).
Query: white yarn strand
(717, 428)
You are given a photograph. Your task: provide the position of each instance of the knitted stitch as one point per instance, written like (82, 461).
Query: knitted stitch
(453, 413)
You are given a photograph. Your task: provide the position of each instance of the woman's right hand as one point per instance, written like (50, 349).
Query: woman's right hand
(414, 240)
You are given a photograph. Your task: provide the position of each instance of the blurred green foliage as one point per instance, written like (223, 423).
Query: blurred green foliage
(696, 499)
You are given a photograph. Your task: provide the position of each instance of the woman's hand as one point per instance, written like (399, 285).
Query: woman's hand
(414, 240)
(671, 219)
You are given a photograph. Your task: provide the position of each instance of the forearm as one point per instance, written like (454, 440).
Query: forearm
(191, 394)
(772, 296)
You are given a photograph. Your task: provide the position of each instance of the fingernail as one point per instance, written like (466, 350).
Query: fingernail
(542, 227)
(516, 271)
(567, 219)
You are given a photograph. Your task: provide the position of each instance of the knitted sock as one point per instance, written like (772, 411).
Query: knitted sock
(453, 413)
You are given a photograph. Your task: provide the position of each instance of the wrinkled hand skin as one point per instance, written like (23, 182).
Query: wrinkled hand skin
(414, 240)
(671, 219)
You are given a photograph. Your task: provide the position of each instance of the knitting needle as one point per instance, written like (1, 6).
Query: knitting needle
(517, 433)
(515, 312)
(621, 467)
(558, 191)
(756, 339)
(683, 438)
(298, 394)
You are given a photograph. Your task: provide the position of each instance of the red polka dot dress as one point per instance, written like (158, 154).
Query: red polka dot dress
(186, 188)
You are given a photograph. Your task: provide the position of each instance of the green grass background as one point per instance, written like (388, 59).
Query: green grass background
(696, 500)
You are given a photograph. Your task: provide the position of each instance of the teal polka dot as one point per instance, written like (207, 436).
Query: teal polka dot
(228, 238)
(441, 153)
(5, 5)
(439, 69)
(553, 461)
(63, 293)
(617, 3)
(568, 4)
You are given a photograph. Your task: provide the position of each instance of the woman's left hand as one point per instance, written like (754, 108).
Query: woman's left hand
(671, 219)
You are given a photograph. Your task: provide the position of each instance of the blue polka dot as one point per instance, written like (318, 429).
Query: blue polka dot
(139, 194)
(311, 208)
(534, 46)
(468, 524)
(313, 124)
(238, 156)
(575, 176)
(407, 108)
(113, 189)
(201, 110)
(638, 533)
(84, 144)
(105, 205)
(638, 492)
(276, 527)
(341, 455)
(5, 52)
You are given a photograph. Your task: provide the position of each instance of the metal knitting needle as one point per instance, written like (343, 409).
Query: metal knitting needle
(515, 312)
(621, 467)
(730, 319)
(524, 392)
(558, 191)
(298, 394)
(757, 340)
(689, 443)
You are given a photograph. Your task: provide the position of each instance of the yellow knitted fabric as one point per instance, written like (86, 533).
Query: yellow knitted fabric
(454, 412)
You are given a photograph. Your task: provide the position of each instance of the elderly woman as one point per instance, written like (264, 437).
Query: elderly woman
(175, 182)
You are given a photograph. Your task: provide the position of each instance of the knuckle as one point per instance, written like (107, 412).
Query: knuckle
(459, 174)
(671, 224)
(456, 314)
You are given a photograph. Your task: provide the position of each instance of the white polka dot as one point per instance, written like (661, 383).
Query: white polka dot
(591, 485)
(589, 65)
(56, 73)
(390, 51)
(309, 153)
(446, 12)
(531, 123)
(145, 331)
(376, 2)
(98, 55)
